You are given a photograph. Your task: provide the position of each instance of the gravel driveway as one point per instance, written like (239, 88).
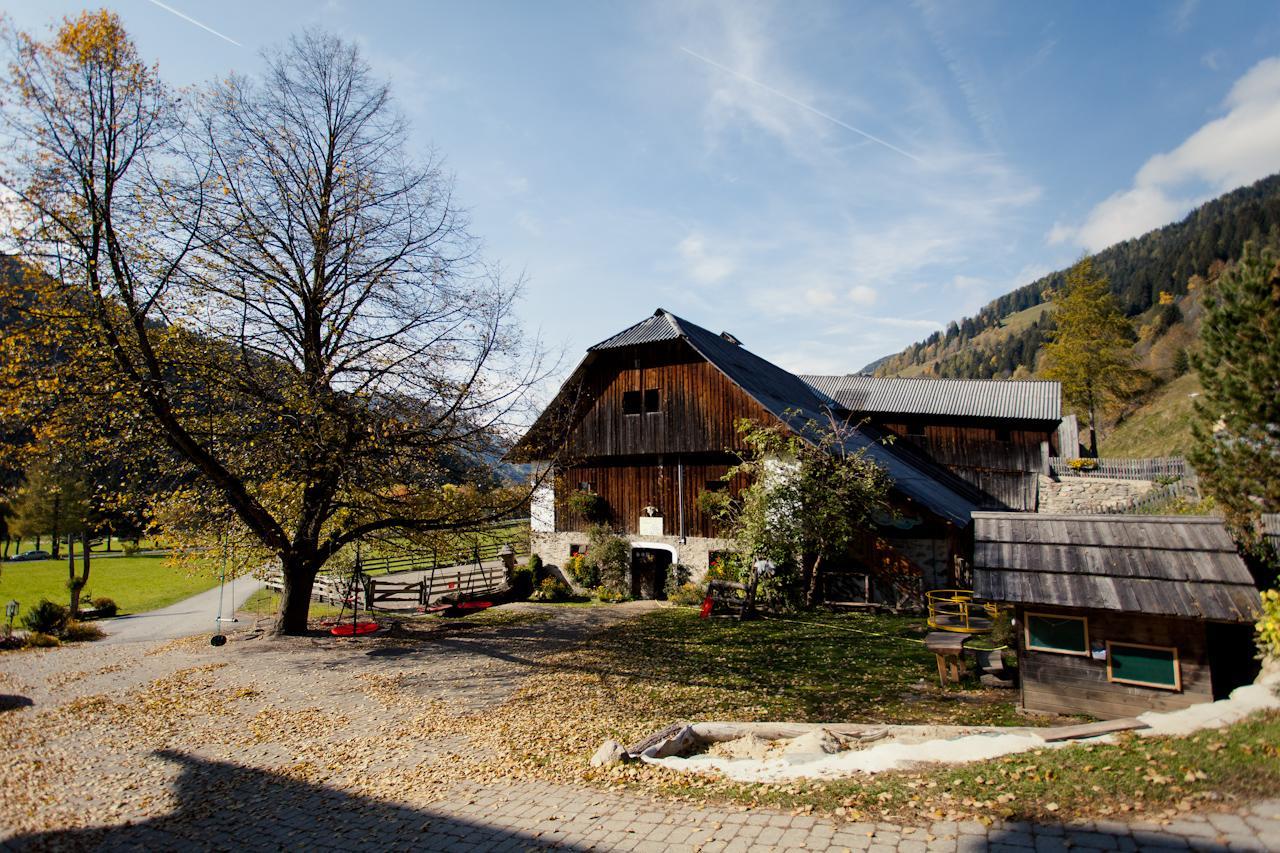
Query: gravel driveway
(324, 743)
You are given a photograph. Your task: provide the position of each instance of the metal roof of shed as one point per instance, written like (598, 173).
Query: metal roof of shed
(1032, 400)
(1183, 566)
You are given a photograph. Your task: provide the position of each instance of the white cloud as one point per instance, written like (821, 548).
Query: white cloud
(700, 264)
(819, 297)
(861, 294)
(1237, 148)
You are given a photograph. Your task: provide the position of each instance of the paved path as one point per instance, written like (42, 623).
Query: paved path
(194, 615)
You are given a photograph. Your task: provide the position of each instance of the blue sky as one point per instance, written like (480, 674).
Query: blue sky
(828, 181)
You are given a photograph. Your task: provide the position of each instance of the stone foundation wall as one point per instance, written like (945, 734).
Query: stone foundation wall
(1082, 495)
(694, 553)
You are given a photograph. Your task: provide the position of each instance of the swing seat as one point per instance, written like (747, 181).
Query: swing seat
(346, 629)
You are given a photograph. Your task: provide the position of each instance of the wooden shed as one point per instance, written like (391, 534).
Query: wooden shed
(1117, 615)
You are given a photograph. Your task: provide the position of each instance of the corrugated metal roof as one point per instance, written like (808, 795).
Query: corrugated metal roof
(792, 401)
(660, 327)
(1163, 565)
(1034, 400)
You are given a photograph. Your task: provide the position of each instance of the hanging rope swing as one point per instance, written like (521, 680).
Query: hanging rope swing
(355, 627)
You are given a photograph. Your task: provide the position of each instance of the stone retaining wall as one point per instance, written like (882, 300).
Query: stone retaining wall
(694, 553)
(1081, 495)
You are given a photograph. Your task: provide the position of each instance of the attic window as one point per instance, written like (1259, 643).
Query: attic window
(635, 402)
(728, 336)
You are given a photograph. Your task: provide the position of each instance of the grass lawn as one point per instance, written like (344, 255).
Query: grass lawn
(135, 583)
(669, 665)
(1161, 427)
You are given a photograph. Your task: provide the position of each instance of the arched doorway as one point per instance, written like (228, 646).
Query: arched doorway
(650, 564)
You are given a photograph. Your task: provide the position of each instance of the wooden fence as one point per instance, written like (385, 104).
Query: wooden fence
(450, 581)
(1160, 494)
(1120, 469)
(425, 561)
(444, 572)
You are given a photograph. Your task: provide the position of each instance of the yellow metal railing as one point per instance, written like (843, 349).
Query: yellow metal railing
(955, 610)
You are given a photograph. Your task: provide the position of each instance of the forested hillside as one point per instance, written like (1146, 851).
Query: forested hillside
(1003, 340)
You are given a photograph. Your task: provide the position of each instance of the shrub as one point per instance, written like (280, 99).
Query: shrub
(1082, 464)
(1002, 633)
(609, 556)
(46, 618)
(1269, 626)
(105, 607)
(535, 566)
(687, 594)
(81, 632)
(130, 548)
(609, 596)
(677, 576)
(522, 581)
(584, 573)
(725, 566)
(41, 640)
(553, 589)
(589, 505)
(11, 642)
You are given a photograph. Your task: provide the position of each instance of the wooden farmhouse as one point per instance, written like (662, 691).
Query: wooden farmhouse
(1116, 614)
(647, 422)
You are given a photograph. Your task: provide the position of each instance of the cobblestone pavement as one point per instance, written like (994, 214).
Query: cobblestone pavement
(83, 773)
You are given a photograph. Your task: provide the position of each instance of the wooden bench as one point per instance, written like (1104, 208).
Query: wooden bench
(948, 648)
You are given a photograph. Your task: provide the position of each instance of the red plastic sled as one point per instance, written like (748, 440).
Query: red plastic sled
(346, 629)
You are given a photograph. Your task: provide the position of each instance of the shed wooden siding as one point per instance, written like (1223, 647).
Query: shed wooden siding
(698, 410)
(629, 486)
(1007, 471)
(1071, 684)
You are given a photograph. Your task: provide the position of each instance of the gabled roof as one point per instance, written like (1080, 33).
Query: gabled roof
(788, 398)
(1038, 400)
(1181, 565)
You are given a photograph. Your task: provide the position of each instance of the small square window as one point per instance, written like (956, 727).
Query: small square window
(1003, 435)
(631, 401)
(651, 400)
(584, 486)
(716, 486)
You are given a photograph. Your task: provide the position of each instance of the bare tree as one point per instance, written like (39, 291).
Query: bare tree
(293, 299)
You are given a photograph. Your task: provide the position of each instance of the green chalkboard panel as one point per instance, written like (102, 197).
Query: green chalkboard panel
(1049, 633)
(1146, 665)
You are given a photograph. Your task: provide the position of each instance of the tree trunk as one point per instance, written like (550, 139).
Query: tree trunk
(57, 522)
(1093, 427)
(811, 582)
(295, 598)
(72, 588)
(84, 565)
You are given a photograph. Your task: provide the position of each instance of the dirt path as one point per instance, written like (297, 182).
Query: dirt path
(321, 743)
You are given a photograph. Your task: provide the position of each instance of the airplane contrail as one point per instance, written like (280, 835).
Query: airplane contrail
(192, 20)
(800, 104)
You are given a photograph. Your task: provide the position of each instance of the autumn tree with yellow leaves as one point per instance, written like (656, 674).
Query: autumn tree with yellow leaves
(289, 302)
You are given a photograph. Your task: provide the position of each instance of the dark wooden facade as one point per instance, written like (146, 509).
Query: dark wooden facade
(628, 485)
(697, 409)
(1058, 683)
(1002, 458)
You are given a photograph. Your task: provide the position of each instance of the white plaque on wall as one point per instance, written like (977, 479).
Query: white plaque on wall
(650, 525)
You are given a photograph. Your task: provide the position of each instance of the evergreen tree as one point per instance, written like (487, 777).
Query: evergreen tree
(1091, 349)
(1237, 450)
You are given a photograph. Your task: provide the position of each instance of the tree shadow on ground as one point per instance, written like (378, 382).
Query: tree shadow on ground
(226, 806)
